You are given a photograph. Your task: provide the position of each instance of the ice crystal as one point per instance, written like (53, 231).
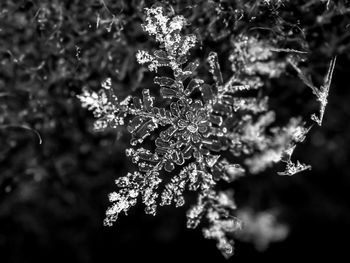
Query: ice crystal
(167, 32)
(293, 168)
(105, 106)
(261, 228)
(200, 130)
(276, 147)
(320, 93)
(107, 83)
(252, 58)
(276, 3)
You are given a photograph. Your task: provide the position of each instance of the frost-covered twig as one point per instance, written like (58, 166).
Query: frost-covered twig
(320, 93)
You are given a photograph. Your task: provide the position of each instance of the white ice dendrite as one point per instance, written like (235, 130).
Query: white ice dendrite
(277, 147)
(260, 228)
(167, 32)
(104, 106)
(320, 93)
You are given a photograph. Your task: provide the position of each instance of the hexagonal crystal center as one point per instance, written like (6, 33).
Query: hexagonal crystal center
(192, 127)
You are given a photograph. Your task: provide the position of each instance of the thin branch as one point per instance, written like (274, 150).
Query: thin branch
(25, 127)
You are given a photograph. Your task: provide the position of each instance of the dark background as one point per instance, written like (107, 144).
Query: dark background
(53, 195)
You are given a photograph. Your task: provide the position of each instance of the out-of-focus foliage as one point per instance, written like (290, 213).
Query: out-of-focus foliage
(53, 195)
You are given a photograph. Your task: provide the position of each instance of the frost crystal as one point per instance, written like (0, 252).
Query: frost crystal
(200, 131)
(261, 228)
(107, 83)
(320, 93)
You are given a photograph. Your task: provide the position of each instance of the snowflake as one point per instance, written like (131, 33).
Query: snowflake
(199, 129)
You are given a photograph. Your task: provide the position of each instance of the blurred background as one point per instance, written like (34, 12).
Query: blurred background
(53, 195)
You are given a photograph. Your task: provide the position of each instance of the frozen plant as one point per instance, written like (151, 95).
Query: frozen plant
(203, 133)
